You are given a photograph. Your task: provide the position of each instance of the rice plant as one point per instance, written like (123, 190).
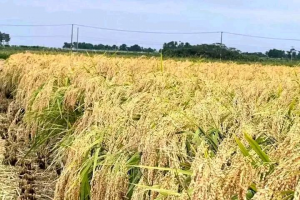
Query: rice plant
(154, 128)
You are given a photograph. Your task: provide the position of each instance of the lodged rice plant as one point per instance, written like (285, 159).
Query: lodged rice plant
(148, 128)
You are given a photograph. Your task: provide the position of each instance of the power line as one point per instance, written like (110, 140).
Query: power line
(39, 36)
(262, 37)
(134, 31)
(112, 29)
(146, 32)
(259, 46)
(150, 32)
(34, 25)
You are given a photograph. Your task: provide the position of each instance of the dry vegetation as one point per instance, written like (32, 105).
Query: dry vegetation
(8, 176)
(144, 128)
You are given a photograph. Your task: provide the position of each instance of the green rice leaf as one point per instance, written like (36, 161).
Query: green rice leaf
(255, 146)
(135, 159)
(243, 149)
(179, 171)
(96, 157)
(288, 195)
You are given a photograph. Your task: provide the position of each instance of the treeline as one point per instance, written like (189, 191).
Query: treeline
(180, 49)
(4, 39)
(275, 53)
(123, 47)
(216, 51)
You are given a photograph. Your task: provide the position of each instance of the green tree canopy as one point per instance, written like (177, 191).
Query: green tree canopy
(123, 47)
(4, 38)
(275, 53)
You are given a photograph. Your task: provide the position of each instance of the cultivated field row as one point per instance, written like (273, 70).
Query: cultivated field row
(144, 128)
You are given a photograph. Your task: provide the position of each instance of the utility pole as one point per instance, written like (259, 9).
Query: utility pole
(77, 38)
(72, 37)
(221, 45)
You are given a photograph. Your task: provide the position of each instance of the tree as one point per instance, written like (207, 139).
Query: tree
(292, 53)
(115, 47)
(180, 49)
(6, 38)
(123, 47)
(187, 45)
(1, 38)
(170, 45)
(67, 45)
(298, 55)
(135, 48)
(275, 53)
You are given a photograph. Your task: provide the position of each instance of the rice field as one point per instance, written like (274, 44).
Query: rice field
(146, 128)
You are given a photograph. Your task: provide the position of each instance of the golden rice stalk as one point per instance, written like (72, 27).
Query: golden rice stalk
(181, 117)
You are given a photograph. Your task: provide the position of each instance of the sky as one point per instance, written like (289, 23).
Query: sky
(266, 18)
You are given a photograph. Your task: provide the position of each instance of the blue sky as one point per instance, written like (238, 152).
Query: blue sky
(265, 18)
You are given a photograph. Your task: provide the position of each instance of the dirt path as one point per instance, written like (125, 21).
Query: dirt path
(8, 175)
